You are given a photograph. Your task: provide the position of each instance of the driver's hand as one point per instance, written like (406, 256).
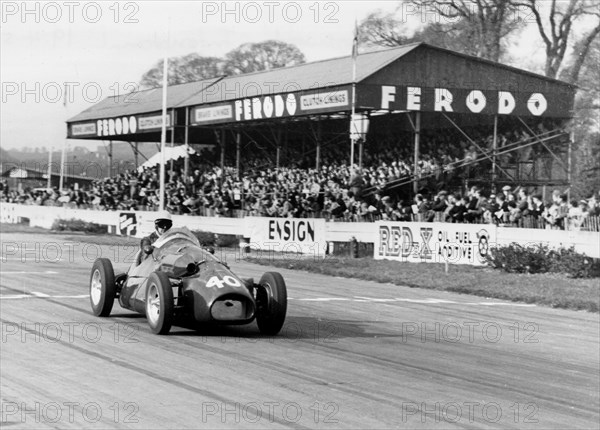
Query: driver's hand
(148, 249)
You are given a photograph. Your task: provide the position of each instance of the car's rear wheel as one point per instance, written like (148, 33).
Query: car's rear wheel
(102, 287)
(159, 303)
(271, 300)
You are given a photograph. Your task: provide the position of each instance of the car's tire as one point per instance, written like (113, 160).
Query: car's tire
(159, 303)
(102, 287)
(271, 300)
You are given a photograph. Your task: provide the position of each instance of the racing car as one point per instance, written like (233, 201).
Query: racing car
(179, 277)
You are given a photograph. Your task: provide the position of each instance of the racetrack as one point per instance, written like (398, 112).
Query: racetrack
(352, 354)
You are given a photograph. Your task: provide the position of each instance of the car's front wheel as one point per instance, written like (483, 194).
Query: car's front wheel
(102, 287)
(159, 303)
(271, 300)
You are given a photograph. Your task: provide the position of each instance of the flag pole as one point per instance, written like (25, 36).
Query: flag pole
(163, 135)
(354, 55)
(62, 155)
(49, 184)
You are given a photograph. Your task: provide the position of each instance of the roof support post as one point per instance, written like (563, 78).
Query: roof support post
(223, 140)
(172, 145)
(319, 134)
(163, 136)
(110, 159)
(570, 163)
(49, 185)
(417, 144)
(186, 165)
(238, 144)
(360, 152)
(278, 148)
(494, 149)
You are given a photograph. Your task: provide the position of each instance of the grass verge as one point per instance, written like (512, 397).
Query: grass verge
(554, 290)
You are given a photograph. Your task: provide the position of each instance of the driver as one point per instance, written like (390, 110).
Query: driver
(162, 224)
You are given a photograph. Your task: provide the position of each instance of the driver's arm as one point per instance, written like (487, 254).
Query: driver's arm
(146, 245)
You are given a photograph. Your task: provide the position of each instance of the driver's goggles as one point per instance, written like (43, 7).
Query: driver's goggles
(163, 224)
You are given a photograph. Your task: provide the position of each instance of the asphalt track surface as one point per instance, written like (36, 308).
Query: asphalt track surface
(352, 354)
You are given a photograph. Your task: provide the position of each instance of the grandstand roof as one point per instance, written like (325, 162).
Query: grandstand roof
(445, 81)
(318, 74)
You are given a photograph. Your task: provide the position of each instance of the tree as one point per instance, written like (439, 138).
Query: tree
(267, 55)
(485, 23)
(556, 29)
(476, 28)
(250, 57)
(188, 68)
(586, 128)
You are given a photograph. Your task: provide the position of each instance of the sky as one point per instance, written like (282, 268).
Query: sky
(103, 48)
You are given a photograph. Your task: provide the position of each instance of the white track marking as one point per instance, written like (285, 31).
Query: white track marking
(35, 295)
(429, 301)
(11, 272)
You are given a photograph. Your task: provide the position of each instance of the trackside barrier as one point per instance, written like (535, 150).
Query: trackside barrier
(45, 216)
(404, 241)
(433, 242)
(585, 242)
(298, 235)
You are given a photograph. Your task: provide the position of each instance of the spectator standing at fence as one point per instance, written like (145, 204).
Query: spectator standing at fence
(356, 182)
(451, 202)
(501, 210)
(472, 203)
(551, 212)
(577, 214)
(440, 203)
(388, 208)
(506, 191)
(593, 206)
(537, 206)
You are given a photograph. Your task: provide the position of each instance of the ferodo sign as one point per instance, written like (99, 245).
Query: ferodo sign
(273, 106)
(296, 235)
(434, 242)
(119, 126)
(489, 102)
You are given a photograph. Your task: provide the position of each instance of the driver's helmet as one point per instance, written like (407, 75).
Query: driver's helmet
(162, 222)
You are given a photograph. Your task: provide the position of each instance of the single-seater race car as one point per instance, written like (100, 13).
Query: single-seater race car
(181, 278)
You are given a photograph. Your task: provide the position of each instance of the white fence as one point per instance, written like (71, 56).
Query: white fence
(312, 235)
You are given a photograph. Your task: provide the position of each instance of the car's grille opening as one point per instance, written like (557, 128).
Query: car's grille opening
(232, 308)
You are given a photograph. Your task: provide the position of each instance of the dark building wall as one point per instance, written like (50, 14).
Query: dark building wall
(430, 67)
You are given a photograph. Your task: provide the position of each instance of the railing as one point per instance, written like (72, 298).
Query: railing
(588, 223)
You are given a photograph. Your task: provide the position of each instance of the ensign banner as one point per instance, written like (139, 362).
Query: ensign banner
(294, 235)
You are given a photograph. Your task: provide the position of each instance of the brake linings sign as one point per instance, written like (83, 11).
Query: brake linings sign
(273, 106)
(434, 242)
(294, 235)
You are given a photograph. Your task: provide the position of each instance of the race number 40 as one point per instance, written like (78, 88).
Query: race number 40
(217, 282)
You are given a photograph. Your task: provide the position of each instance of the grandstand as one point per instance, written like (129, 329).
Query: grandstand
(276, 143)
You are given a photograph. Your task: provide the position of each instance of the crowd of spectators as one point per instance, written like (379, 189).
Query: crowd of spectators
(335, 191)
